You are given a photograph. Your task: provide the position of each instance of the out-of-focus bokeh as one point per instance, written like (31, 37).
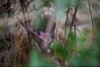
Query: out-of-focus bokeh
(49, 33)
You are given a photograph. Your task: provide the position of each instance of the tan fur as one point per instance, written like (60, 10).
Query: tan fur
(21, 45)
(60, 33)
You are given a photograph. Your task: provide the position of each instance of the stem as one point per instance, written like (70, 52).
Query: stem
(91, 19)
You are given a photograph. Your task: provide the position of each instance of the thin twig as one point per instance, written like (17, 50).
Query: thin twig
(93, 8)
(91, 19)
(67, 17)
(34, 36)
(74, 17)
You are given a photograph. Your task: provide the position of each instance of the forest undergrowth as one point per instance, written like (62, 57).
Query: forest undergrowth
(49, 33)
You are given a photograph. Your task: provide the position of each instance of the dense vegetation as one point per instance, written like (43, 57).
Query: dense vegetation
(49, 33)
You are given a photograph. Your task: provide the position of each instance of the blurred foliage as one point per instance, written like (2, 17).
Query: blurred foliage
(97, 38)
(59, 50)
(75, 50)
(47, 2)
(38, 60)
(40, 22)
(85, 57)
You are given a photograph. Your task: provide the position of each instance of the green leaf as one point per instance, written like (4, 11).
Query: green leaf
(8, 44)
(59, 50)
(38, 60)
